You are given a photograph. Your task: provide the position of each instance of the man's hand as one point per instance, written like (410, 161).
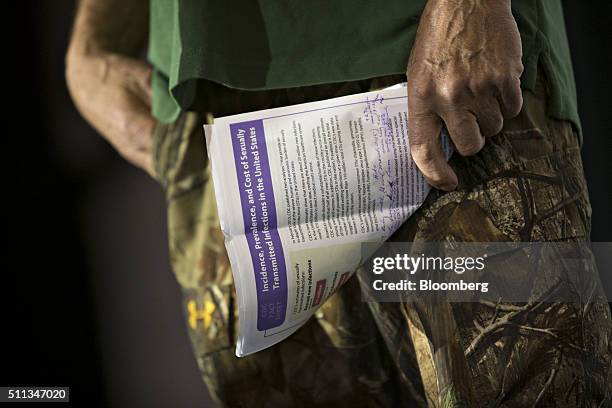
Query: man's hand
(464, 72)
(113, 93)
(110, 88)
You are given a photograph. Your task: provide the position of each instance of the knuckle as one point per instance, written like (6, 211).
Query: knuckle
(486, 86)
(470, 147)
(421, 90)
(512, 84)
(518, 68)
(453, 90)
(492, 126)
(423, 155)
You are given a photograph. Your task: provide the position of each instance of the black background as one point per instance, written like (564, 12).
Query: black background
(87, 296)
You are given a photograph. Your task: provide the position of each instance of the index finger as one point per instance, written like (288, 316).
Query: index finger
(426, 151)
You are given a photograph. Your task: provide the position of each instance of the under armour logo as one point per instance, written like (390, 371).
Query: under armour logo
(196, 314)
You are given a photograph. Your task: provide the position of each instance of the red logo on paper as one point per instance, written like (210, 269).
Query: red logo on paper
(319, 290)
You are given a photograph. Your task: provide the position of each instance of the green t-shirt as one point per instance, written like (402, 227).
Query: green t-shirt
(258, 45)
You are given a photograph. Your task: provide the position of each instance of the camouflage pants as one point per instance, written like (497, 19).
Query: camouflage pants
(526, 185)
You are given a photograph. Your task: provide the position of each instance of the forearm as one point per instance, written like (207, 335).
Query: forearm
(116, 26)
(110, 87)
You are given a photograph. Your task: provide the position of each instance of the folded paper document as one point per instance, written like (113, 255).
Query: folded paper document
(298, 189)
